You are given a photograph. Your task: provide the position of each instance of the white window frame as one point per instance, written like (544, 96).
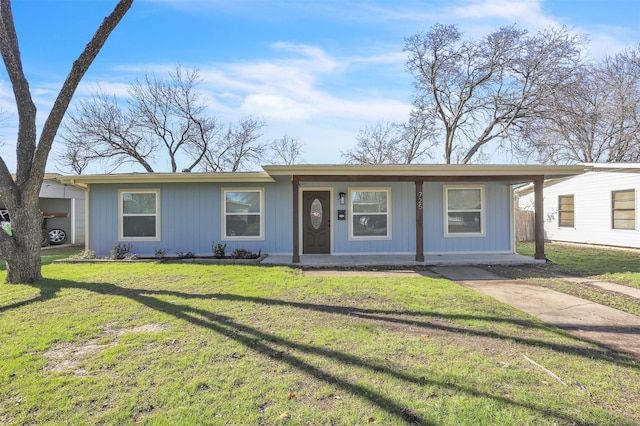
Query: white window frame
(388, 214)
(224, 236)
(121, 214)
(482, 210)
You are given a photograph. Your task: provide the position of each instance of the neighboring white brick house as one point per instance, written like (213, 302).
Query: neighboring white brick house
(601, 206)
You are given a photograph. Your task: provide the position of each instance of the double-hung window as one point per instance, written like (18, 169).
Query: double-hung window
(464, 215)
(370, 213)
(139, 214)
(566, 211)
(243, 214)
(623, 209)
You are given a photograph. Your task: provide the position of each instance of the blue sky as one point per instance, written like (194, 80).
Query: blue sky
(315, 70)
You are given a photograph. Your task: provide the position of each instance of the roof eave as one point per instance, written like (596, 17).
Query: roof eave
(240, 177)
(427, 170)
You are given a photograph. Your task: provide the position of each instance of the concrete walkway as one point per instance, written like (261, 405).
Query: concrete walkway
(584, 319)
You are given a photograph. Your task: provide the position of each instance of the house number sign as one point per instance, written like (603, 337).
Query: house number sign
(419, 200)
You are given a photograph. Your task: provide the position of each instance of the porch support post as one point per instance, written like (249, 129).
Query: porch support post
(538, 186)
(296, 230)
(419, 221)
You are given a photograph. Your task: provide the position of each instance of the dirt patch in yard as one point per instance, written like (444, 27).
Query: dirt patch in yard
(69, 356)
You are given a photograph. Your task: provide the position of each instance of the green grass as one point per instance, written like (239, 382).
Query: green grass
(583, 260)
(52, 253)
(210, 344)
(598, 263)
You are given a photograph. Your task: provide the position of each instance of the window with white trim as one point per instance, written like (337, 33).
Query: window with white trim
(139, 214)
(370, 213)
(243, 214)
(464, 211)
(623, 209)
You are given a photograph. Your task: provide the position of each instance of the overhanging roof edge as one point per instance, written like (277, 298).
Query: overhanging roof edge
(427, 170)
(241, 177)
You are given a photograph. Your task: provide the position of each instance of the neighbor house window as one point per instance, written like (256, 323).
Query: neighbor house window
(139, 214)
(565, 211)
(623, 205)
(370, 213)
(464, 214)
(243, 214)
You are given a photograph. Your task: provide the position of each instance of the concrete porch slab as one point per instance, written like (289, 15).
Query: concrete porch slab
(382, 261)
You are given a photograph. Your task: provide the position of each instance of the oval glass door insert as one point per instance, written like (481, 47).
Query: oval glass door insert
(316, 214)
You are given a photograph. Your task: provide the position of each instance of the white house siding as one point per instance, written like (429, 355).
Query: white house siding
(592, 208)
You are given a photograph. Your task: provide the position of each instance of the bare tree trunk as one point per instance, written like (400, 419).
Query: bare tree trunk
(22, 250)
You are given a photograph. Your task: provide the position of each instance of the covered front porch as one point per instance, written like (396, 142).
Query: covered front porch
(317, 183)
(391, 261)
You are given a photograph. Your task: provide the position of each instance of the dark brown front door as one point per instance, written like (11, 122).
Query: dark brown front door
(316, 222)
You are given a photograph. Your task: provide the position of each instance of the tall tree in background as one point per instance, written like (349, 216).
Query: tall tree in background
(161, 116)
(595, 119)
(21, 250)
(374, 145)
(162, 120)
(416, 138)
(287, 150)
(236, 148)
(393, 143)
(480, 90)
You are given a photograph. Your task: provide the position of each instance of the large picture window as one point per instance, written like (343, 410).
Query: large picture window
(623, 206)
(370, 213)
(565, 211)
(243, 217)
(139, 214)
(464, 215)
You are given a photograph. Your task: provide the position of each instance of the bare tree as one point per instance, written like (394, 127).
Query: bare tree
(236, 148)
(374, 145)
(75, 159)
(161, 116)
(21, 250)
(478, 90)
(416, 138)
(392, 143)
(287, 150)
(595, 119)
(103, 132)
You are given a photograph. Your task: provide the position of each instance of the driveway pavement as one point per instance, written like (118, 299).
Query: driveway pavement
(584, 319)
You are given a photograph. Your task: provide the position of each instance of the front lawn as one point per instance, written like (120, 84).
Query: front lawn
(612, 264)
(593, 263)
(51, 253)
(211, 344)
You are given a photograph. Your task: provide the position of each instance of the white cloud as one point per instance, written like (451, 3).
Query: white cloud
(391, 58)
(290, 89)
(119, 89)
(505, 9)
(275, 106)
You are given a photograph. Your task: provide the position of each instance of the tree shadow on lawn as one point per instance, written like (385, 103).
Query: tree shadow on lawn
(278, 348)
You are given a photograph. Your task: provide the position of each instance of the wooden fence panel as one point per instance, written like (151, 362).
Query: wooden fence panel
(525, 230)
